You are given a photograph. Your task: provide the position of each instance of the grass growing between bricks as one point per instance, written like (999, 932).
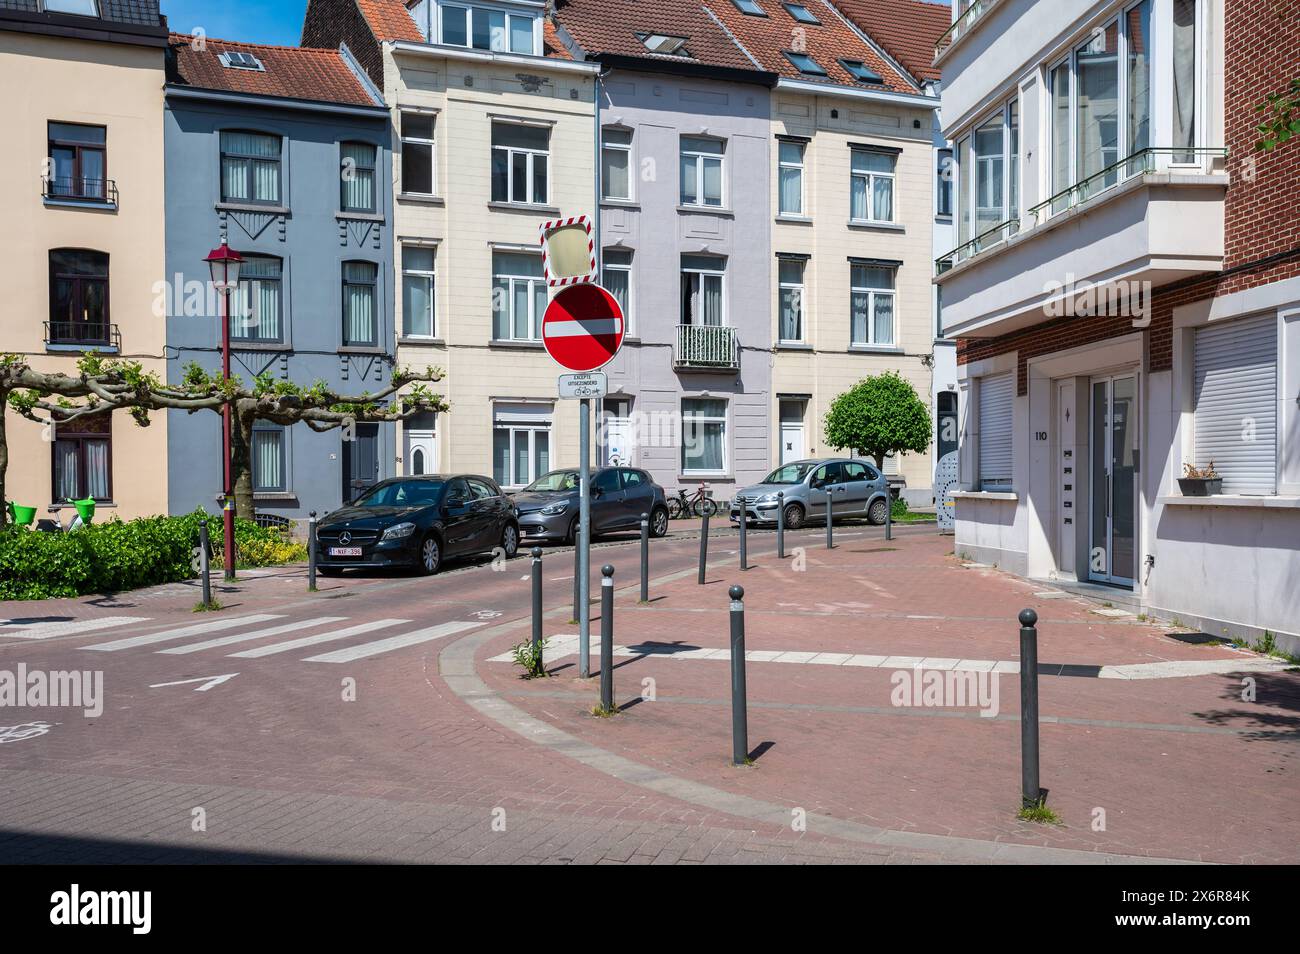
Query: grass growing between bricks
(1039, 813)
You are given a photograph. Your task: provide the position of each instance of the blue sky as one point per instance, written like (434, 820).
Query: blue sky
(252, 21)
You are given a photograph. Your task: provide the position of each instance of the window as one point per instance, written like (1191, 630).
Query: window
(487, 29)
(239, 60)
(616, 276)
(77, 161)
(518, 296)
(804, 63)
(871, 304)
(83, 459)
(78, 297)
(790, 177)
(1096, 130)
(616, 163)
(519, 163)
(943, 183)
(81, 8)
(417, 153)
(360, 311)
(702, 289)
(418, 291)
(701, 170)
(521, 443)
(872, 195)
(995, 396)
(800, 13)
(664, 44)
(1184, 105)
(255, 306)
(990, 193)
(790, 297)
(861, 72)
(749, 7)
(1236, 402)
(250, 168)
(270, 470)
(357, 170)
(704, 436)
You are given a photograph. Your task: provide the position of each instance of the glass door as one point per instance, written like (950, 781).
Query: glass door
(1113, 472)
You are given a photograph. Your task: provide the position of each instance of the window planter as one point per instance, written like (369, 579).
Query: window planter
(1200, 486)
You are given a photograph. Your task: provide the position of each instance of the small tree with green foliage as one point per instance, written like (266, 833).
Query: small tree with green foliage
(878, 416)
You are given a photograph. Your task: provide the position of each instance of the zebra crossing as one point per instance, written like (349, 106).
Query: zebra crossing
(37, 629)
(234, 633)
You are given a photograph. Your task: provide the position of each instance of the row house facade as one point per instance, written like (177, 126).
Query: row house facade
(1126, 290)
(82, 239)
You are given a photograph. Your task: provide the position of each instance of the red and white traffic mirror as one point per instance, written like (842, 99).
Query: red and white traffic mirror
(583, 327)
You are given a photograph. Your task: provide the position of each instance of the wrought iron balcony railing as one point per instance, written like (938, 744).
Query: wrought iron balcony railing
(79, 189)
(707, 346)
(83, 335)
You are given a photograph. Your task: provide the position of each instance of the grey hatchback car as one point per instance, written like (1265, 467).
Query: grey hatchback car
(855, 488)
(548, 507)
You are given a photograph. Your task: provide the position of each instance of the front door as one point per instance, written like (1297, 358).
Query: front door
(421, 453)
(360, 461)
(792, 442)
(1113, 439)
(617, 434)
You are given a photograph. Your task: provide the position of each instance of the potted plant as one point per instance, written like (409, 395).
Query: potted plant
(1200, 482)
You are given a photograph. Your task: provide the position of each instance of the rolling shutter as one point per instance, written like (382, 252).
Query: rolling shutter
(1236, 403)
(996, 394)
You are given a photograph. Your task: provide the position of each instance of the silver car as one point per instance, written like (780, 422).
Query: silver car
(855, 487)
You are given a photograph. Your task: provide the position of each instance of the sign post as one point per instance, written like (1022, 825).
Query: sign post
(582, 331)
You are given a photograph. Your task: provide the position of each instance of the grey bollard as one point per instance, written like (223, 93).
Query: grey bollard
(205, 563)
(704, 546)
(311, 552)
(830, 528)
(607, 638)
(744, 545)
(889, 515)
(645, 558)
(780, 524)
(1031, 791)
(538, 666)
(739, 719)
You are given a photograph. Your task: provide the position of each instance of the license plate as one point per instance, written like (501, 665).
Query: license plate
(345, 551)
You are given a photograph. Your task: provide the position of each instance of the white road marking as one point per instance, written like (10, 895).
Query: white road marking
(1192, 667)
(285, 647)
(255, 634)
(208, 682)
(394, 642)
(64, 627)
(213, 626)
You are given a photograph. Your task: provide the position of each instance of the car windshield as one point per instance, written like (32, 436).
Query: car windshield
(790, 473)
(402, 493)
(556, 480)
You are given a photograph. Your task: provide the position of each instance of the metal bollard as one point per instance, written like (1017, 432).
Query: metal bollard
(205, 563)
(830, 530)
(780, 524)
(607, 638)
(739, 718)
(1031, 792)
(889, 515)
(538, 666)
(645, 558)
(704, 546)
(311, 552)
(744, 546)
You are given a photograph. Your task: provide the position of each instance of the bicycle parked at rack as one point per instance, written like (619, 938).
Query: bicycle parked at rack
(696, 504)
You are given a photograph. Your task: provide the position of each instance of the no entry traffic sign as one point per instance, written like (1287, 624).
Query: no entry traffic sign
(583, 327)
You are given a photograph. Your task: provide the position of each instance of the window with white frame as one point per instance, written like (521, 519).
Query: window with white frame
(790, 153)
(990, 174)
(269, 459)
(871, 303)
(701, 170)
(520, 163)
(518, 296)
(418, 153)
(616, 163)
(418, 281)
(790, 298)
(487, 28)
(704, 436)
(521, 443)
(995, 400)
(872, 185)
(1235, 394)
(616, 276)
(703, 290)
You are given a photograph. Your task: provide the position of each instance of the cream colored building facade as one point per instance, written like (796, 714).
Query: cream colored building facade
(109, 94)
(824, 128)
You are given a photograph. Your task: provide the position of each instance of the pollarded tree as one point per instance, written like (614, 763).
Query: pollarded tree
(878, 416)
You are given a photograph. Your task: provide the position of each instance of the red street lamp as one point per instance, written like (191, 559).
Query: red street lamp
(224, 264)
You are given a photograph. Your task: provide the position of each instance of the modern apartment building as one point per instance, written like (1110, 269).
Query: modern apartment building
(1126, 291)
(283, 152)
(494, 130)
(82, 194)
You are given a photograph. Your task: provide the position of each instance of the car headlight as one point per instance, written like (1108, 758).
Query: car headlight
(398, 531)
(551, 510)
(768, 500)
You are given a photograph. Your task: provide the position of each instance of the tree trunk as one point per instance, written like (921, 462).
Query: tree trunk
(241, 455)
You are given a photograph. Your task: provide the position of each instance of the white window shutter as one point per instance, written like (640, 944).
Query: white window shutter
(995, 400)
(1236, 403)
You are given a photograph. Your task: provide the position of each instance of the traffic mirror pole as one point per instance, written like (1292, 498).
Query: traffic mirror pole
(584, 538)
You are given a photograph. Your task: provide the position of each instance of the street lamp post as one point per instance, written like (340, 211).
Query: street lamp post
(224, 265)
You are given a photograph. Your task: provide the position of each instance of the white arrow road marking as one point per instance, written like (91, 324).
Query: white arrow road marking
(64, 627)
(212, 627)
(208, 682)
(393, 642)
(357, 630)
(255, 634)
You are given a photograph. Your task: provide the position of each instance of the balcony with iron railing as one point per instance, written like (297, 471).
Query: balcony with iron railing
(706, 348)
(82, 336)
(79, 190)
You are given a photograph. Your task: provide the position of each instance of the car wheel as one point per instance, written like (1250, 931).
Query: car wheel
(659, 523)
(794, 516)
(430, 555)
(571, 536)
(510, 540)
(877, 511)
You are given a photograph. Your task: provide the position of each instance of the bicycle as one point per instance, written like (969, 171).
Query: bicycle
(696, 504)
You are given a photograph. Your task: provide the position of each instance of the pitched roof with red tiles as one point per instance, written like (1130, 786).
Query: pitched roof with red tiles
(288, 71)
(389, 20)
(907, 29)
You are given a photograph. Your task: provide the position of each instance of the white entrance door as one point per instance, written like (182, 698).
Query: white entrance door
(421, 453)
(617, 437)
(792, 432)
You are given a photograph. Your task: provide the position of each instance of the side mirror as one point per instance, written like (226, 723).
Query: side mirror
(596, 493)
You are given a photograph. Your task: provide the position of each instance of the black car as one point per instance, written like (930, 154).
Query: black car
(418, 522)
(548, 507)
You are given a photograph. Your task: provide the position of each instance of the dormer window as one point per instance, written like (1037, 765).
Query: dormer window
(239, 60)
(664, 44)
(486, 28)
(79, 8)
(861, 72)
